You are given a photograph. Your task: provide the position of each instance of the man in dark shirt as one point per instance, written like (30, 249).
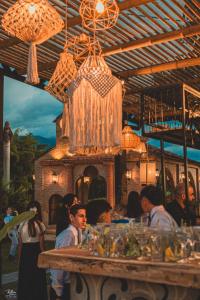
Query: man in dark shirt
(180, 210)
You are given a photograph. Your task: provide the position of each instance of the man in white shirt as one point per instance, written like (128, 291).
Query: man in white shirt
(151, 201)
(71, 236)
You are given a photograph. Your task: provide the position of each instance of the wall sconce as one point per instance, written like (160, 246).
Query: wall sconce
(33, 176)
(182, 176)
(54, 177)
(157, 173)
(86, 179)
(129, 174)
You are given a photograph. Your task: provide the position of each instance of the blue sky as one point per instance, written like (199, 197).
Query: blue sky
(33, 110)
(29, 108)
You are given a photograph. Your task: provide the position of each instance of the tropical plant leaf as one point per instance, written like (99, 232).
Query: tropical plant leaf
(25, 216)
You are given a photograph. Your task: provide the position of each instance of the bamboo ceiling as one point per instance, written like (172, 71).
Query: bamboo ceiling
(155, 43)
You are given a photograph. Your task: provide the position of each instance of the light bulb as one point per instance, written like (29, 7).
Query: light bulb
(32, 9)
(100, 7)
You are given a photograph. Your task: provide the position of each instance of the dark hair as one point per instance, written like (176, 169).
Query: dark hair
(62, 214)
(75, 208)
(153, 194)
(68, 199)
(134, 209)
(37, 218)
(94, 209)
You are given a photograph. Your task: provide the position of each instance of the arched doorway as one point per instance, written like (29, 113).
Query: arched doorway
(91, 185)
(191, 182)
(54, 203)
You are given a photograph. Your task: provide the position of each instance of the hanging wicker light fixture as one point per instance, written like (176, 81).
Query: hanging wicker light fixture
(63, 75)
(130, 140)
(33, 21)
(95, 109)
(99, 14)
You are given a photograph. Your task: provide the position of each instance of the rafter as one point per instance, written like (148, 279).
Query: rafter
(150, 41)
(9, 43)
(136, 44)
(174, 65)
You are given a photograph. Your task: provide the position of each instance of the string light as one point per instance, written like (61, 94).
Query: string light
(100, 8)
(32, 9)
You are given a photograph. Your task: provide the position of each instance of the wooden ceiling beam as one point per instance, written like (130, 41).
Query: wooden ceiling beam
(9, 43)
(174, 65)
(138, 44)
(154, 40)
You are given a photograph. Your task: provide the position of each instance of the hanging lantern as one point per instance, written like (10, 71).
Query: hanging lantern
(130, 140)
(99, 14)
(95, 109)
(63, 75)
(33, 21)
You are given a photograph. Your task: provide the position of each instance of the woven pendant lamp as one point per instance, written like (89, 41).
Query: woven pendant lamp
(95, 109)
(130, 140)
(32, 21)
(99, 14)
(63, 75)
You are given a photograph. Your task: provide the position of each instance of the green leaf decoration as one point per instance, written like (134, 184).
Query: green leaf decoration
(25, 216)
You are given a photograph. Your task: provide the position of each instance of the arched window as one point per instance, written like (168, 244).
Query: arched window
(91, 185)
(54, 203)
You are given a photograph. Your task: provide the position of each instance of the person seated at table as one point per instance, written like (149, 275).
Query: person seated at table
(71, 236)
(98, 211)
(151, 202)
(180, 209)
(134, 209)
(62, 214)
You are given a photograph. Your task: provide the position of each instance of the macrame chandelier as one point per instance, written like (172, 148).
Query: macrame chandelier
(99, 14)
(95, 109)
(32, 21)
(130, 140)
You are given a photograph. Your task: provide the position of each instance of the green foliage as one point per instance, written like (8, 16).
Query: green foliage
(25, 216)
(24, 151)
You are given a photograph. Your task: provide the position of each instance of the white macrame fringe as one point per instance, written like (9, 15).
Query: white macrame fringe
(32, 69)
(95, 121)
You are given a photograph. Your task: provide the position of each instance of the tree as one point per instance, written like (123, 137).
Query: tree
(24, 150)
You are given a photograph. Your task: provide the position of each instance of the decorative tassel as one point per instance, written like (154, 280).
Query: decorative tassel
(32, 69)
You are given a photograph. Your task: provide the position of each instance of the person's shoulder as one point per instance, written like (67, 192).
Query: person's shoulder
(171, 205)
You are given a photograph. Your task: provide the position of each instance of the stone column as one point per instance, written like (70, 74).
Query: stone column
(69, 178)
(110, 176)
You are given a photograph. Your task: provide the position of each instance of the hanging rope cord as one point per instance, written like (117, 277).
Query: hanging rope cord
(66, 25)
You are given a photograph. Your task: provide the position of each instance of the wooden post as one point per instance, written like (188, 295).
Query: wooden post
(1, 154)
(162, 160)
(142, 120)
(184, 143)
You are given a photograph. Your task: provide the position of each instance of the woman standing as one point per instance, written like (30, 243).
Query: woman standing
(32, 280)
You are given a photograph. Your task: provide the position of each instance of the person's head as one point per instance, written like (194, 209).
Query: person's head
(151, 196)
(134, 209)
(9, 211)
(98, 211)
(180, 194)
(36, 207)
(78, 216)
(69, 200)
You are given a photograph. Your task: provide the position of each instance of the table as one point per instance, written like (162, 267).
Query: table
(99, 278)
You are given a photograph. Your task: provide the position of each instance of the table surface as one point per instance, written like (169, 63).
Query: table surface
(80, 261)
